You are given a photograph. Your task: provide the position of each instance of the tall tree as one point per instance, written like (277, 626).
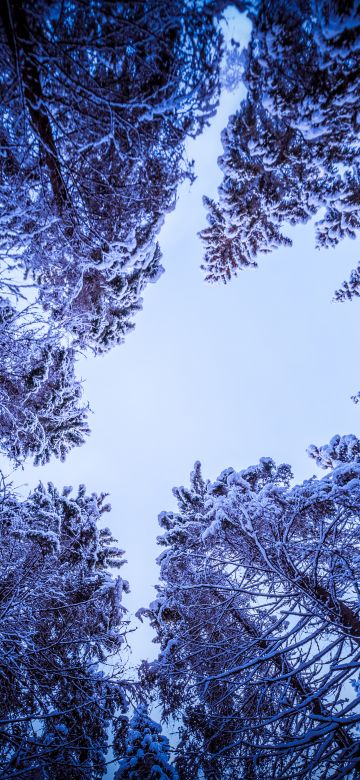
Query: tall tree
(97, 99)
(258, 621)
(63, 686)
(292, 148)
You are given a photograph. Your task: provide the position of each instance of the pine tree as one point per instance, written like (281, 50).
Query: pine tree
(258, 621)
(292, 148)
(147, 750)
(97, 103)
(41, 413)
(61, 638)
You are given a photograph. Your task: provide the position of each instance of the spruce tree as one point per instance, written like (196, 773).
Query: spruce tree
(257, 617)
(292, 147)
(97, 103)
(63, 625)
(146, 752)
(41, 412)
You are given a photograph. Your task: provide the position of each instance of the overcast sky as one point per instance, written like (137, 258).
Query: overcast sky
(225, 374)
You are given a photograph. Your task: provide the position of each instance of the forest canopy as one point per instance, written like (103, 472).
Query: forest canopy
(257, 606)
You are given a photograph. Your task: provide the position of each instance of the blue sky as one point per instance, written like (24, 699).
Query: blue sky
(226, 375)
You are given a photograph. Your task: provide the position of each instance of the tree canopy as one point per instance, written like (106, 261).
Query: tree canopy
(257, 617)
(63, 625)
(97, 100)
(291, 150)
(257, 610)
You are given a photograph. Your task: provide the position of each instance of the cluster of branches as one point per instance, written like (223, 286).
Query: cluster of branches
(258, 620)
(257, 616)
(147, 750)
(41, 413)
(292, 147)
(62, 629)
(96, 100)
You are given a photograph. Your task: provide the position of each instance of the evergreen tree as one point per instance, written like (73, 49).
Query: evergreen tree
(258, 621)
(40, 398)
(292, 148)
(61, 637)
(147, 751)
(97, 100)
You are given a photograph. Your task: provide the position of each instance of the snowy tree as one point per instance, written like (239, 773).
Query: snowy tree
(96, 103)
(254, 197)
(61, 638)
(258, 620)
(341, 449)
(97, 100)
(147, 750)
(350, 289)
(41, 413)
(292, 148)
